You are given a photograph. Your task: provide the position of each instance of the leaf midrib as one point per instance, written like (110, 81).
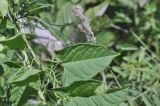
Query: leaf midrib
(91, 58)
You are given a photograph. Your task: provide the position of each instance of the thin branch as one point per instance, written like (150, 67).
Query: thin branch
(115, 77)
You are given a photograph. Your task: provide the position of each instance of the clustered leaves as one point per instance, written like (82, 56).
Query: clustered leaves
(117, 65)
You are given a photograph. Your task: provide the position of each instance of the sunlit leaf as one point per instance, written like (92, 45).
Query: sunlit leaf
(84, 61)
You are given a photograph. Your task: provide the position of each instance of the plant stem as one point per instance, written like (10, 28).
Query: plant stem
(20, 28)
(145, 45)
(115, 77)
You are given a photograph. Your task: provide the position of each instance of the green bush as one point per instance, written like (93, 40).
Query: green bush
(79, 52)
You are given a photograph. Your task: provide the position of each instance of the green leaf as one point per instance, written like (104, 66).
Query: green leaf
(126, 47)
(23, 76)
(150, 8)
(104, 38)
(98, 10)
(147, 100)
(15, 42)
(84, 61)
(20, 95)
(79, 88)
(16, 94)
(5, 24)
(7, 57)
(122, 18)
(110, 99)
(16, 1)
(3, 7)
(123, 104)
(65, 15)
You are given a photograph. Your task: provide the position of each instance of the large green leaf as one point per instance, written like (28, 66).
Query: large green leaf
(24, 76)
(110, 99)
(15, 42)
(79, 88)
(3, 7)
(84, 61)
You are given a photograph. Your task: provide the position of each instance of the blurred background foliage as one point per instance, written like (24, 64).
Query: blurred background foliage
(131, 27)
